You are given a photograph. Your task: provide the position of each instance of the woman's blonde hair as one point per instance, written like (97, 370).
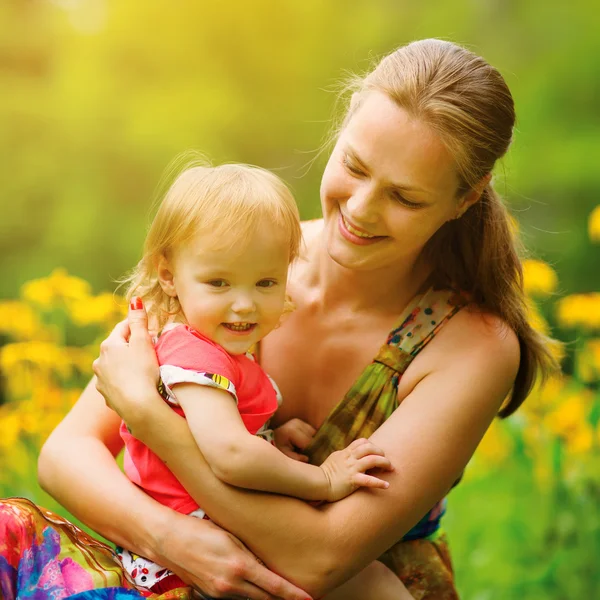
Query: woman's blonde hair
(226, 204)
(467, 102)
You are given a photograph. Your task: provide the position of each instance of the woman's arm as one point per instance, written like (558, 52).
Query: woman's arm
(244, 460)
(429, 439)
(77, 467)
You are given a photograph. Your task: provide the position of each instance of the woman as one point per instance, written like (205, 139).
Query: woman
(413, 264)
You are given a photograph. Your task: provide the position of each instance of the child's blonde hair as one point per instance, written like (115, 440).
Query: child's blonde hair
(227, 203)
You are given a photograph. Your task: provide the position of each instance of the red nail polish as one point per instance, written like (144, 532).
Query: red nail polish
(132, 304)
(138, 303)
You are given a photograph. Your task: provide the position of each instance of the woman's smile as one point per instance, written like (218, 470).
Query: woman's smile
(357, 235)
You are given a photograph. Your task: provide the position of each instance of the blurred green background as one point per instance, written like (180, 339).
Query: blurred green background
(98, 96)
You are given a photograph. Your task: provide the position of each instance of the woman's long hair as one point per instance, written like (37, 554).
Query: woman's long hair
(468, 104)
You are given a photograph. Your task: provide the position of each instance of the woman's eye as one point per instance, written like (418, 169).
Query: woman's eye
(218, 283)
(352, 168)
(406, 202)
(266, 283)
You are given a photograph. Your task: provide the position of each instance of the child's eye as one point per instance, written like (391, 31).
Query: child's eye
(218, 283)
(266, 283)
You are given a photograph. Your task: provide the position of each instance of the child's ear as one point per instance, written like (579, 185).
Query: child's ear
(164, 272)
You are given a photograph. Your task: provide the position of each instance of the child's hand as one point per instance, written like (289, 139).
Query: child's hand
(346, 469)
(293, 436)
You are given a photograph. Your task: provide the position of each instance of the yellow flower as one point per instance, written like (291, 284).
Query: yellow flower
(39, 356)
(594, 224)
(495, 446)
(10, 425)
(103, 309)
(588, 361)
(580, 310)
(570, 423)
(20, 322)
(540, 279)
(544, 398)
(56, 289)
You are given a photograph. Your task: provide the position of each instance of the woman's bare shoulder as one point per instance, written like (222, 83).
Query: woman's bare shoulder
(473, 340)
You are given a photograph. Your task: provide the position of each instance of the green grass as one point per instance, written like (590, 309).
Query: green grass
(510, 539)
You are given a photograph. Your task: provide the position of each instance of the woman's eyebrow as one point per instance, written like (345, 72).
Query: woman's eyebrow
(397, 186)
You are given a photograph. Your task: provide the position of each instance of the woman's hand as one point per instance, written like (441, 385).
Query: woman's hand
(127, 369)
(292, 436)
(223, 567)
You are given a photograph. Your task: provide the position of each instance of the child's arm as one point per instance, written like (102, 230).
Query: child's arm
(244, 460)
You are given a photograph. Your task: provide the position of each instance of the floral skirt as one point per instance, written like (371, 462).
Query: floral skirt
(44, 557)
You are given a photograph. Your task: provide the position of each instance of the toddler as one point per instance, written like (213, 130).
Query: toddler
(213, 278)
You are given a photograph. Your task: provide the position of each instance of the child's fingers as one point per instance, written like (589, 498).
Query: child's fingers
(374, 462)
(300, 437)
(295, 455)
(364, 480)
(364, 448)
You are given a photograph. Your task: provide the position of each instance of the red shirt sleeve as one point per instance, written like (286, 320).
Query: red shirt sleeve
(183, 347)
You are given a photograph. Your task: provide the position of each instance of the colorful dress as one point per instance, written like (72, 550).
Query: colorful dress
(421, 559)
(43, 556)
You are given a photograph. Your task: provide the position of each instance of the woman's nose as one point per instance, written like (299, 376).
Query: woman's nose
(362, 205)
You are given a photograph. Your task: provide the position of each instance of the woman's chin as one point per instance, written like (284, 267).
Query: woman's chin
(355, 259)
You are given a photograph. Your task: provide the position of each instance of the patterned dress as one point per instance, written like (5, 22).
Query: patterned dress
(44, 557)
(421, 559)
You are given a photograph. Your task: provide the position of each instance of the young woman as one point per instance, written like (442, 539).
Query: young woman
(410, 328)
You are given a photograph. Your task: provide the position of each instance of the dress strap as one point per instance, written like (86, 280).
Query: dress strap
(430, 312)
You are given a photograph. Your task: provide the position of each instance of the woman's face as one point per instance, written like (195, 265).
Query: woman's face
(389, 185)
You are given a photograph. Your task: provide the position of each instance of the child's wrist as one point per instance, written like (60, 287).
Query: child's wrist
(326, 491)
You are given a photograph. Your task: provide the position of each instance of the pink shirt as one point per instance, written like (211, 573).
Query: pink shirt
(185, 355)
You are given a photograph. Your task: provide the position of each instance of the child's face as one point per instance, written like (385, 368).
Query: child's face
(233, 296)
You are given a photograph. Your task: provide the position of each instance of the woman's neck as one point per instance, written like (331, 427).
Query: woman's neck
(386, 291)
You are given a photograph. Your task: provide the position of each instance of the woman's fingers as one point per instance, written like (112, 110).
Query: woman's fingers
(137, 318)
(261, 580)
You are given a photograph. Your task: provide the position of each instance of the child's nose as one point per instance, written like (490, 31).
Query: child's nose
(243, 304)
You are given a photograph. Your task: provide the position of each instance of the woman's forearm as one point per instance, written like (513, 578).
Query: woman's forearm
(77, 467)
(296, 540)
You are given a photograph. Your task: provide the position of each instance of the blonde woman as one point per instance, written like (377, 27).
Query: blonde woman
(410, 329)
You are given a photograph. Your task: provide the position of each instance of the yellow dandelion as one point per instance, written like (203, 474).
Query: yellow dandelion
(103, 309)
(579, 310)
(594, 224)
(539, 278)
(43, 357)
(19, 321)
(545, 397)
(569, 421)
(54, 290)
(588, 361)
(495, 446)
(581, 441)
(10, 425)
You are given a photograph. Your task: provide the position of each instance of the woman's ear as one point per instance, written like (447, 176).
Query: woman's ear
(472, 196)
(164, 273)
